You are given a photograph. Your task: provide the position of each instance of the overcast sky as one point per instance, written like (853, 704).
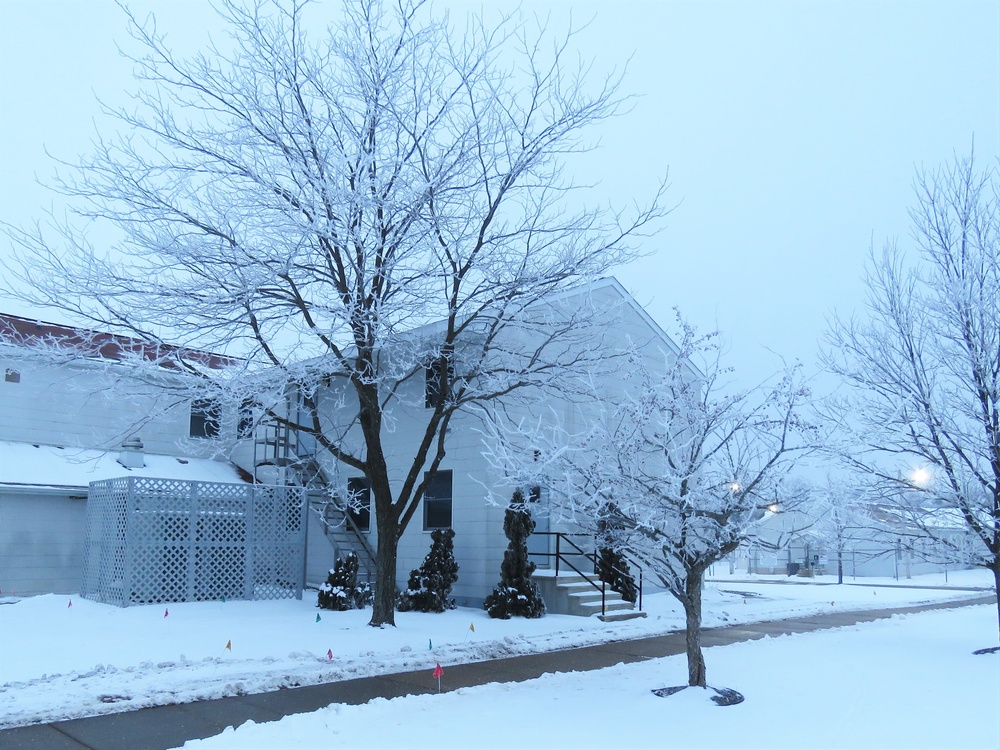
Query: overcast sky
(791, 130)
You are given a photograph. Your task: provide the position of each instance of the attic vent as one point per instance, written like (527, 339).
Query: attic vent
(11, 376)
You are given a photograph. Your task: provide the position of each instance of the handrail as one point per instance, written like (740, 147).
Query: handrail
(561, 557)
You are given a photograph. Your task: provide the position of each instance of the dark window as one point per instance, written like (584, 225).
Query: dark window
(360, 502)
(11, 376)
(244, 421)
(438, 376)
(204, 418)
(535, 494)
(437, 501)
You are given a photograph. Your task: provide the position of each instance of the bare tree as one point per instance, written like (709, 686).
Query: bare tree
(924, 409)
(691, 472)
(303, 201)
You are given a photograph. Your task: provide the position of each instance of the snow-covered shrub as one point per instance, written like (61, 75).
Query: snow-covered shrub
(611, 565)
(516, 594)
(342, 591)
(430, 584)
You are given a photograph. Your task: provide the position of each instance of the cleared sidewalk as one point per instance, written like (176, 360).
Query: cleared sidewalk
(171, 726)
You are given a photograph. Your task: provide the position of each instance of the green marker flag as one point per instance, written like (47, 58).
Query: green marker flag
(318, 618)
(429, 644)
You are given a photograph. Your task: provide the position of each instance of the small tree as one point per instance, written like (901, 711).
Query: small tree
(516, 594)
(342, 591)
(611, 565)
(430, 584)
(689, 472)
(924, 372)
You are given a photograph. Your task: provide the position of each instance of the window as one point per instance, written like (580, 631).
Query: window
(437, 501)
(204, 418)
(245, 420)
(11, 376)
(441, 368)
(360, 504)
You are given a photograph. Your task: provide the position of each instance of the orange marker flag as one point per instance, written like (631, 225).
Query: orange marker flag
(472, 627)
(329, 653)
(229, 646)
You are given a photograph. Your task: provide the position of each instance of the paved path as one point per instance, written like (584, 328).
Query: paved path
(171, 726)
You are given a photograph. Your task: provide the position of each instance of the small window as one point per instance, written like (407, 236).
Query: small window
(204, 418)
(11, 376)
(245, 419)
(438, 377)
(437, 501)
(360, 508)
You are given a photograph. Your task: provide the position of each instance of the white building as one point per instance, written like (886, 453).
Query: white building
(64, 424)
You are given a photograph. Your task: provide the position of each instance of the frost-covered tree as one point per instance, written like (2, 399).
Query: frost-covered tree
(516, 595)
(429, 587)
(690, 471)
(923, 412)
(347, 210)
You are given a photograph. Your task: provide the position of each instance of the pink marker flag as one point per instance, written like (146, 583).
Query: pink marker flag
(166, 612)
(329, 653)
(437, 674)
(70, 604)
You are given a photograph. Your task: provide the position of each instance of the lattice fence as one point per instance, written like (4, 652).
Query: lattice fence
(163, 540)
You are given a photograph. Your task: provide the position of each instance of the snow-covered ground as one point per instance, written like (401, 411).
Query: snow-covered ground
(64, 657)
(909, 682)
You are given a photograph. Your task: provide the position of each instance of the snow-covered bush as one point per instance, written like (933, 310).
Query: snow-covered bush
(342, 591)
(516, 594)
(611, 565)
(430, 584)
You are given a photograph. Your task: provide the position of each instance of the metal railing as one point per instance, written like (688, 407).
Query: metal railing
(562, 557)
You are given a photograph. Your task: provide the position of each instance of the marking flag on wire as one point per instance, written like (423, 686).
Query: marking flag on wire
(166, 612)
(229, 646)
(329, 653)
(437, 675)
(318, 618)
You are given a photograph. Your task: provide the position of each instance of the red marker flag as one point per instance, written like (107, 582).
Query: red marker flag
(329, 653)
(437, 675)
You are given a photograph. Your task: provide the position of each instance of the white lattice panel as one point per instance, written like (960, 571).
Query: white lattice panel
(163, 540)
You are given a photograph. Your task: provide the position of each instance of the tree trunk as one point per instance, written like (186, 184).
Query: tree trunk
(692, 632)
(840, 566)
(384, 602)
(996, 589)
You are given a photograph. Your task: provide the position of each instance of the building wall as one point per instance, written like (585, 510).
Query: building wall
(41, 543)
(479, 495)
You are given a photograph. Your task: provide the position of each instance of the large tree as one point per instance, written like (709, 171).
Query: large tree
(923, 413)
(679, 468)
(302, 200)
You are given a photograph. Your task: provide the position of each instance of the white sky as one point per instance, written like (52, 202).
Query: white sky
(791, 129)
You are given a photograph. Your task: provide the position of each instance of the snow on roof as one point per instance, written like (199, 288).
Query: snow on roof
(28, 465)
